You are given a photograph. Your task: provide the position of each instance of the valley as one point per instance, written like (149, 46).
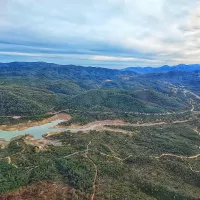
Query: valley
(99, 100)
(156, 148)
(66, 133)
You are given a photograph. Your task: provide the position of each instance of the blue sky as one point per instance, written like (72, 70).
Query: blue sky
(107, 33)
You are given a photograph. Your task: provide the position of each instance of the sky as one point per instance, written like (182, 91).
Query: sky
(104, 33)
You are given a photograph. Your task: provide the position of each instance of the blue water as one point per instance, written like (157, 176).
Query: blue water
(38, 131)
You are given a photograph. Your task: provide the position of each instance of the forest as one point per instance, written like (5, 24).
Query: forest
(25, 89)
(155, 155)
(153, 162)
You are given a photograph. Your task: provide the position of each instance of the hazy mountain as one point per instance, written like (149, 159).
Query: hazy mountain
(165, 68)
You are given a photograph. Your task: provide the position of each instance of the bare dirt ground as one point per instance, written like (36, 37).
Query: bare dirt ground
(3, 143)
(94, 124)
(41, 144)
(197, 131)
(182, 157)
(101, 126)
(97, 125)
(45, 191)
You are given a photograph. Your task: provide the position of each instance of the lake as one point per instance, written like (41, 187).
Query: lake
(38, 131)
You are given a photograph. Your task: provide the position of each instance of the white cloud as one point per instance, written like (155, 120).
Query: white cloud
(135, 32)
(113, 58)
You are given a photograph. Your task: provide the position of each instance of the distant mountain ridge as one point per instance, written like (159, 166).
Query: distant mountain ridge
(26, 87)
(99, 70)
(163, 69)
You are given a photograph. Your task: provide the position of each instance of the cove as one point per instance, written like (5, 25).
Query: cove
(36, 131)
(40, 130)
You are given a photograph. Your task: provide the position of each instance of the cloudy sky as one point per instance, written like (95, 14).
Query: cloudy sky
(107, 33)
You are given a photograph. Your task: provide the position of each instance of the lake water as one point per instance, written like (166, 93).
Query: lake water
(38, 131)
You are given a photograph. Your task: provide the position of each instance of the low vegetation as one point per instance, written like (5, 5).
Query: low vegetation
(146, 165)
(159, 159)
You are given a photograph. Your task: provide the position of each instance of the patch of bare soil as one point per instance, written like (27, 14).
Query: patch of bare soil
(178, 156)
(101, 126)
(46, 191)
(3, 143)
(95, 124)
(197, 131)
(50, 134)
(41, 144)
(63, 116)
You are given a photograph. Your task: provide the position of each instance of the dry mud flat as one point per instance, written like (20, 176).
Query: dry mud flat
(29, 124)
(3, 143)
(42, 144)
(102, 126)
(95, 124)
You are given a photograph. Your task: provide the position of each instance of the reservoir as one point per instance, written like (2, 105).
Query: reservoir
(40, 130)
(36, 131)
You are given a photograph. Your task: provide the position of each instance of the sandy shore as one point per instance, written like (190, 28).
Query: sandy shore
(26, 125)
(41, 143)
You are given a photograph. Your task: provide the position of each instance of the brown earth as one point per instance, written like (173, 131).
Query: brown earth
(94, 124)
(42, 144)
(3, 143)
(50, 134)
(101, 126)
(46, 191)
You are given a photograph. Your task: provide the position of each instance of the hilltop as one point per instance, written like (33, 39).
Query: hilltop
(26, 87)
(163, 69)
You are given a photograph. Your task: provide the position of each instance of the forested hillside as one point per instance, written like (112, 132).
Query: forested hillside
(136, 136)
(158, 162)
(37, 88)
(165, 68)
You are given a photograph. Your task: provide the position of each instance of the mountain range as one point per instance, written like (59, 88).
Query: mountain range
(150, 150)
(25, 87)
(163, 69)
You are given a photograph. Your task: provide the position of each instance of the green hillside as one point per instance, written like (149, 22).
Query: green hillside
(120, 100)
(60, 87)
(16, 100)
(131, 166)
(155, 155)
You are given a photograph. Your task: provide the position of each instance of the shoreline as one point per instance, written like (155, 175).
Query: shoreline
(29, 124)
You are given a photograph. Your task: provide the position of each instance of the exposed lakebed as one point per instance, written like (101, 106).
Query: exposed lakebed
(39, 131)
(53, 127)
